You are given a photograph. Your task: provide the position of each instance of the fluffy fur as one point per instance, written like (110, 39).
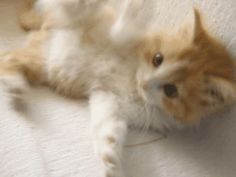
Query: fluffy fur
(80, 52)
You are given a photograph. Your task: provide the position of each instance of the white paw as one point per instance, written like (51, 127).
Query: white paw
(112, 165)
(114, 173)
(13, 88)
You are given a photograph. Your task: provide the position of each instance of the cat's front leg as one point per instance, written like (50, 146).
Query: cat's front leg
(109, 132)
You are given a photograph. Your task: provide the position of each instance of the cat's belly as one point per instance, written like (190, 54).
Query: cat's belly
(68, 84)
(71, 77)
(75, 70)
(66, 64)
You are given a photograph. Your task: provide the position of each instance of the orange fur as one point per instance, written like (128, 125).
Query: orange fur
(29, 19)
(208, 66)
(27, 60)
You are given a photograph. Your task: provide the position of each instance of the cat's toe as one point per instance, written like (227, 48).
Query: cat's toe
(112, 169)
(114, 172)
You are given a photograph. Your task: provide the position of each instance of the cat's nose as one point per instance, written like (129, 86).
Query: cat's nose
(170, 90)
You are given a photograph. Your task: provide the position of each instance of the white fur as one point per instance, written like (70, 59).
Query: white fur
(106, 124)
(12, 89)
(127, 28)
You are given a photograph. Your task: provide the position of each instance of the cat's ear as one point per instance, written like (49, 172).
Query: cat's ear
(220, 91)
(193, 29)
(198, 29)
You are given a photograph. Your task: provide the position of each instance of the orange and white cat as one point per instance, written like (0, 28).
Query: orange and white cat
(156, 80)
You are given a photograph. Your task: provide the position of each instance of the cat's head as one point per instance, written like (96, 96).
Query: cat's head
(187, 74)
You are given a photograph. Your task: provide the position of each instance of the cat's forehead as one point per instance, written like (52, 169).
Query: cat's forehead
(174, 46)
(169, 46)
(184, 57)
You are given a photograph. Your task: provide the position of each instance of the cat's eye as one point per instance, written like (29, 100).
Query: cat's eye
(170, 90)
(157, 59)
(212, 92)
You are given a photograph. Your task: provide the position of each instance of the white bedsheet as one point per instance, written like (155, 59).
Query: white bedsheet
(52, 139)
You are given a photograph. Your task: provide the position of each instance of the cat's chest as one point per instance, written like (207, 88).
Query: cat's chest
(79, 69)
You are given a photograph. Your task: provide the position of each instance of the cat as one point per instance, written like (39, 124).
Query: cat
(150, 79)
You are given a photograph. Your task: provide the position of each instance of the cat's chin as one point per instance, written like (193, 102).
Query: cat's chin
(162, 121)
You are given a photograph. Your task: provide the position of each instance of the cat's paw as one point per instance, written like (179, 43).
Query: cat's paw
(13, 88)
(114, 173)
(112, 165)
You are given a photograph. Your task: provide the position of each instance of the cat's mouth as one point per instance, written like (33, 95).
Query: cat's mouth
(147, 95)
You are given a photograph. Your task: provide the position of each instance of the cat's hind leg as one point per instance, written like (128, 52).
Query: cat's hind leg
(19, 70)
(30, 18)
